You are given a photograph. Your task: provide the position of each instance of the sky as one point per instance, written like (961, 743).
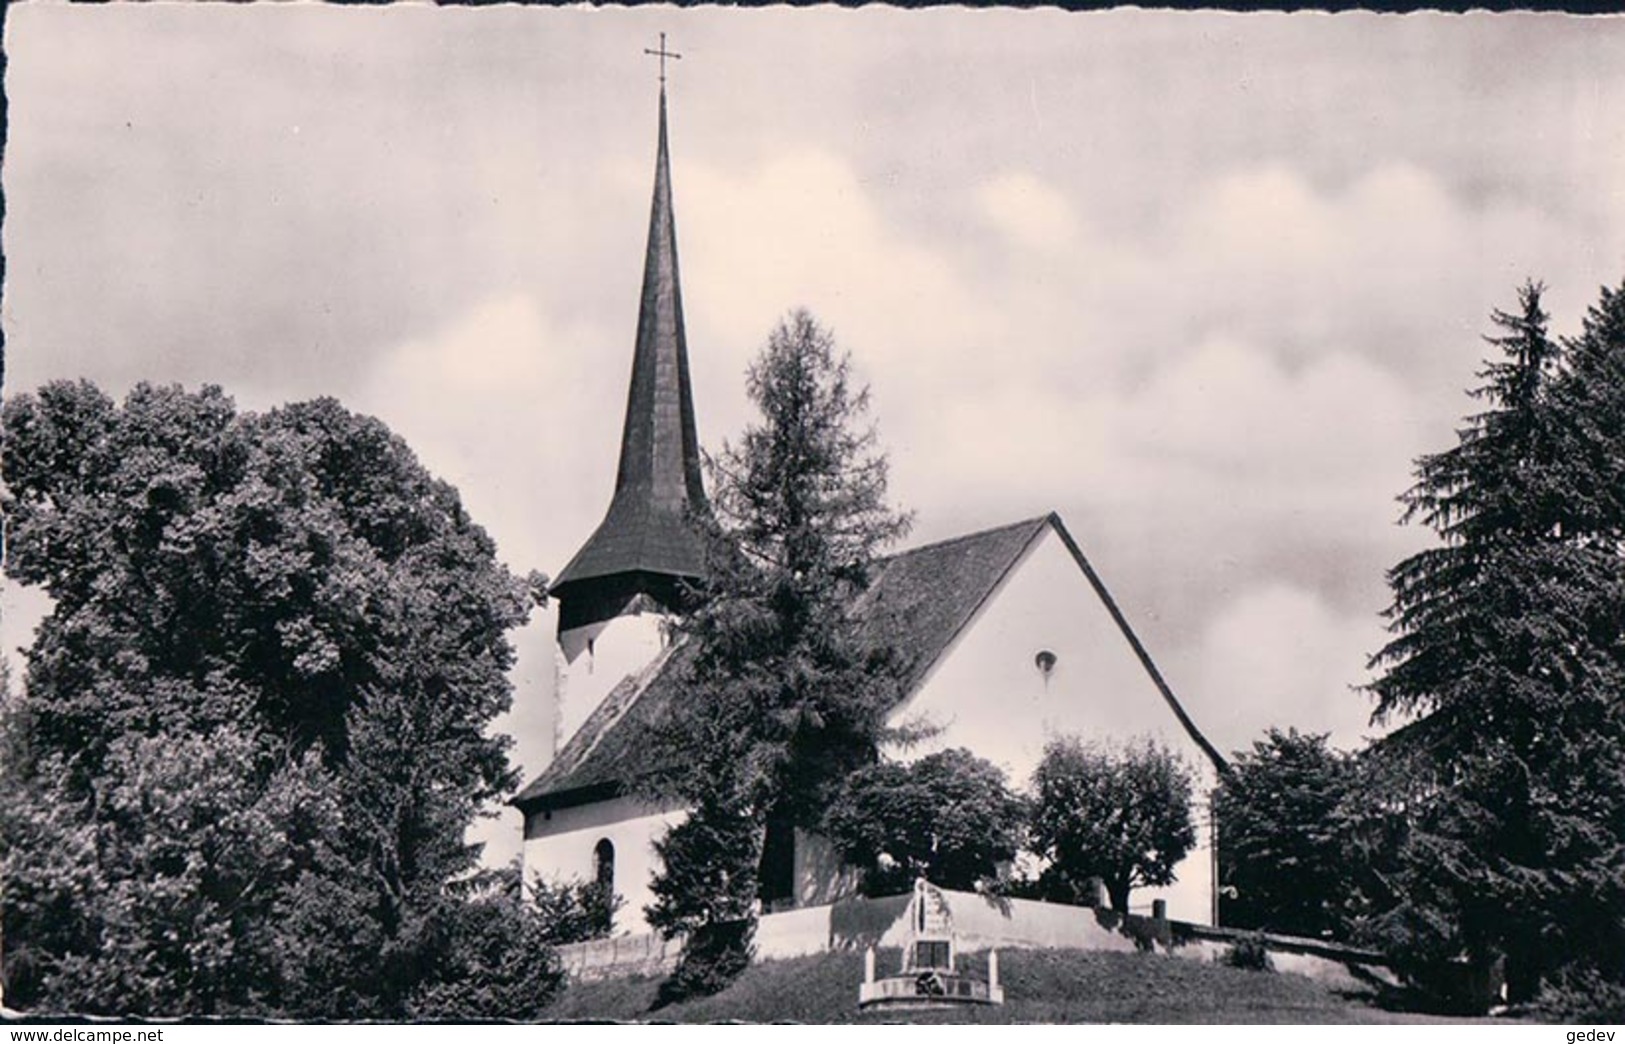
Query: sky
(1206, 284)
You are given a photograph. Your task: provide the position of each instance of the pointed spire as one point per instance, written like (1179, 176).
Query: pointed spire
(645, 545)
(659, 448)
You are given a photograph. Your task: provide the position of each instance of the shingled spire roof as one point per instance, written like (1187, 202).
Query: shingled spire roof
(645, 544)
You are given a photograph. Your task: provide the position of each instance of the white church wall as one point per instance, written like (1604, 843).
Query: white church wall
(820, 875)
(990, 696)
(596, 658)
(560, 845)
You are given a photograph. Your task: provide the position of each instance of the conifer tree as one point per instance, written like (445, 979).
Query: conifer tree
(1284, 854)
(784, 694)
(1508, 647)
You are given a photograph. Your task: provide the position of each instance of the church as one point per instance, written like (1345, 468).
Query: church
(1008, 636)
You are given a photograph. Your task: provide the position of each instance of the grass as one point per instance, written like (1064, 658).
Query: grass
(1041, 986)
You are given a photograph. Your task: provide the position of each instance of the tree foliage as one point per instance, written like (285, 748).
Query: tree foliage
(1120, 814)
(1286, 816)
(1509, 647)
(493, 958)
(785, 681)
(574, 911)
(158, 893)
(258, 706)
(784, 694)
(949, 817)
(708, 872)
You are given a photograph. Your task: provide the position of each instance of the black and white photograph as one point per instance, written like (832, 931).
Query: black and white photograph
(536, 514)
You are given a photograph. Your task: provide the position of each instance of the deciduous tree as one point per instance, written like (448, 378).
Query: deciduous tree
(949, 817)
(1120, 814)
(291, 587)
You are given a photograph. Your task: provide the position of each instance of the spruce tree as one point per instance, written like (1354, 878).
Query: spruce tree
(1507, 647)
(784, 693)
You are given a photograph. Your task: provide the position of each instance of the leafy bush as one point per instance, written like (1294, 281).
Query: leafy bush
(574, 911)
(1250, 953)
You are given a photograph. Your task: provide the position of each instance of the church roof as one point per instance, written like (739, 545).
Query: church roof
(645, 532)
(918, 600)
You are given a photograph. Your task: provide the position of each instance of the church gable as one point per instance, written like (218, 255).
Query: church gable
(1007, 638)
(919, 600)
(1046, 653)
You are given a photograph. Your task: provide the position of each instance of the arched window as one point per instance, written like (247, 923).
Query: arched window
(603, 863)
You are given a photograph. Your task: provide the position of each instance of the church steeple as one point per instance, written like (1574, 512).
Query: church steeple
(645, 545)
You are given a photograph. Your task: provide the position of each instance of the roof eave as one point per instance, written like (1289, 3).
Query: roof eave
(1220, 764)
(572, 797)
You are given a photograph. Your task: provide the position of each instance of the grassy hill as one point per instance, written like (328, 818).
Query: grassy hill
(1041, 986)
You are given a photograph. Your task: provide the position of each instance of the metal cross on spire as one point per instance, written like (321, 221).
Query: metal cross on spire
(661, 53)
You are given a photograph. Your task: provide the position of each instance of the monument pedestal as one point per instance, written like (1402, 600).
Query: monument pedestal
(929, 977)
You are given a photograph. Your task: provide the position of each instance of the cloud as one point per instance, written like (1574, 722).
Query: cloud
(801, 229)
(1028, 212)
(507, 404)
(1279, 656)
(519, 411)
(1395, 266)
(1228, 432)
(1230, 413)
(1300, 334)
(277, 196)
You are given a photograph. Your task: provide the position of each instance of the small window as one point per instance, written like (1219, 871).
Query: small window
(603, 863)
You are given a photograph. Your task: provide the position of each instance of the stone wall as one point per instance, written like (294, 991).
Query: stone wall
(979, 923)
(1327, 962)
(620, 956)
